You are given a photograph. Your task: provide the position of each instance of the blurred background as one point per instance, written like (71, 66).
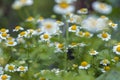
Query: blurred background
(10, 17)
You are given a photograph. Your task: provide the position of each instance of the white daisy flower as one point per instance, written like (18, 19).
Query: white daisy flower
(82, 44)
(49, 26)
(59, 23)
(115, 59)
(88, 34)
(93, 24)
(10, 68)
(93, 52)
(59, 47)
(3, 30)
(29, 19)
(113, 25)
(105, 62)
(11, 43)
(104, 36)
(4, 35)
(5, 77)
(116, 49)
(45, 37)
(10, 38)
(63, 8)
(84, 65)
(23, 34)
(80, 33)
(37, 31)
(105, 69)
(17, 28)
(40, 19)
(82, 11)
(73, 44)
(102, 7)
(26, 2)
(22, 68)
(73, 28)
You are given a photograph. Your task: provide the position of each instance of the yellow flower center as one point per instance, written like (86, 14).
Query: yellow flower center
(17, 27)
(63, 5)
(48, 26)
(3, 30)
(11, 42)
(80, 33)
(74, 27)
(118, 49)
(38, 30)
(4, 77)
(4, 34)
(22, 33)
(41, 18)
(104, 35)
(22, 68)
(9, 38)
(45, 36)
(105, 61)
(84, 64)
(83, 10)
(102, 6)
(60, 46)
(106, 68)
(92, 52)
(116, 58)
(87, 34)
(10, 67)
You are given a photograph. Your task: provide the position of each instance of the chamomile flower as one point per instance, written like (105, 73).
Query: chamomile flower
(10, 38)
(29, 19)
(68, 1)
(11, 43)
(23, 34)
(3, 30)
(102, 7)
(5, 77)
(82, 44)
(4, 35)
(20, 40)
(10, 68)
(105, 69)
(37, 31)
(17, 28)
(59, 47)
(49, 26)
(104, 36)
(93, 52)
(82, 11)
(59, 23)
(88, 34)
(40, 19)
(80, 33)
(94, 24)
(113, 25)
(116, 49)
(84, 65)
(26, 2)
(22, 68)
(73, 28)
(105, 62)
(116, 59)
(63, 8)
(73, 44)
(45, 37)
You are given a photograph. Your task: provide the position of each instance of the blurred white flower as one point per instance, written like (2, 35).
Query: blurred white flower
(68, 1)
(94, 24)
(63, 8)
(102, 7)
(5, 77)
(20, 3)
(45, 37)
(1, 70)
(105, 62)
(22, 68)
(49, 26)
(82, 11)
